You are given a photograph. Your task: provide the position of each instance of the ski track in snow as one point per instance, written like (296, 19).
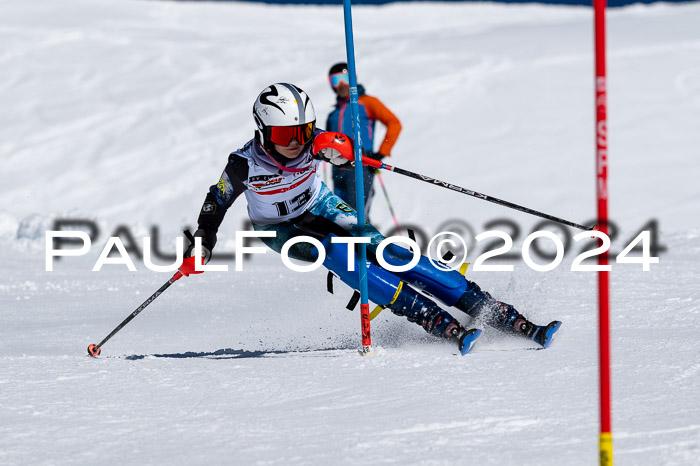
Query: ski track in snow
(124, 111)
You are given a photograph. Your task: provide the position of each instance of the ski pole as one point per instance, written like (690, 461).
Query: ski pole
(186, 269)
(386, 196)
(344, 147)
(94, 350)
(469, 192)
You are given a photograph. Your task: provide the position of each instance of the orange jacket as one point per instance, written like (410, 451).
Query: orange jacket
(376, 110)
(371, 110)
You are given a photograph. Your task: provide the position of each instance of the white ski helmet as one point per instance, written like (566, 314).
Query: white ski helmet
(283, 112)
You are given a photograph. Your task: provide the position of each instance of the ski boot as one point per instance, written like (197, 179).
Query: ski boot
(541, 334)
(480, 304)
(424, 311)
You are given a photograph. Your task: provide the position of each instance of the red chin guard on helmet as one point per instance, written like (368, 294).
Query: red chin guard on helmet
(333, 140)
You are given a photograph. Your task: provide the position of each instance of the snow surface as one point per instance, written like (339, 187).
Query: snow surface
(123, 112)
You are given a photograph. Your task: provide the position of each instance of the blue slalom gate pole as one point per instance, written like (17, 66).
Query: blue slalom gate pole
(359, 180)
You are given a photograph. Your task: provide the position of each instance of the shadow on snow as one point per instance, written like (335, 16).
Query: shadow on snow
(229, 353)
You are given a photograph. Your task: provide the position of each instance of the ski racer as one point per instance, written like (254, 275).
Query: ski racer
(277, 172)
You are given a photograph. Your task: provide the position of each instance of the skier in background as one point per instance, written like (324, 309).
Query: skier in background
(370, 111)
(277, 172)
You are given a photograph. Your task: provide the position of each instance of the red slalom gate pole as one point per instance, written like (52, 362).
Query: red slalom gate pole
(605, 439)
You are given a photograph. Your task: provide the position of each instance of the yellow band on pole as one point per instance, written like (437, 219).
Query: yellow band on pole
(606, 449)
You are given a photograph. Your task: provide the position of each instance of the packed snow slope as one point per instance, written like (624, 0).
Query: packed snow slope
(123, 113)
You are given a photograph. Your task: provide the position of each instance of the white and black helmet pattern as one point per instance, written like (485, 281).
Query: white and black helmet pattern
(283, 104)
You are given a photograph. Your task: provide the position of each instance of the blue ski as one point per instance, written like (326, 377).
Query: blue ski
(544, 334)
(467, 342)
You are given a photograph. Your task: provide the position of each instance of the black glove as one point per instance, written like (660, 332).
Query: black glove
(208, 242)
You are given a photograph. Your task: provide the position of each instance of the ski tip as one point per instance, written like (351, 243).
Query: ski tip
(549, 332)
(93, 350)
(467, 343)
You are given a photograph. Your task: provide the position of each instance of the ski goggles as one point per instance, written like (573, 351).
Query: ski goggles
(338, 78)
(283, 135)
